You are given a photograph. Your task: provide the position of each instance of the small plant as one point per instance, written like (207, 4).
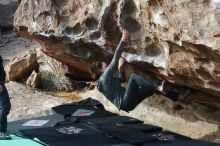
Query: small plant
(53, 82)
(53, 75)
(57, 67)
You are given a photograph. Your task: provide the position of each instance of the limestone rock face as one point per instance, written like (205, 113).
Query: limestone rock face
(7, 10)
(176, 40)
(22, 66)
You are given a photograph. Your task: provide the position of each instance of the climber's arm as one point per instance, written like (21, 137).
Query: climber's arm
(121, 70)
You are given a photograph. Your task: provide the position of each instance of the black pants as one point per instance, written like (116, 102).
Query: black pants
(137, 90)
(4, 111)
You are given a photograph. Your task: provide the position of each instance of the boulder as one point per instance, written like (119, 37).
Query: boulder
(174, 40)
(22, 66)
(33, 80)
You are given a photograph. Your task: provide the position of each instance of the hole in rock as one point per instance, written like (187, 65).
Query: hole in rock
(66, 39)
(77, 29)
(148, 40)
(153, 50)
(91, 23)
(68, 30)
(133, 28)
(46, 13)
(51, 31)
(152, 3)
(95, 35)
(176, 37)
(129, 7)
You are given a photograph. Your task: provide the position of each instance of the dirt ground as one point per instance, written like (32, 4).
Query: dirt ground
(27, 102)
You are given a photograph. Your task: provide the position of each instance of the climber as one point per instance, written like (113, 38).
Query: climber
(137, 89)
(5, 104)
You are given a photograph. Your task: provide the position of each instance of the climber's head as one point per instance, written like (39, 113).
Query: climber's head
(100, 67)
(168, 90)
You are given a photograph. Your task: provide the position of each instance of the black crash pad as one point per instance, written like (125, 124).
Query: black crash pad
(71, 135)
(125, 128)
(166, 137)
(113, 120)
(17, 125)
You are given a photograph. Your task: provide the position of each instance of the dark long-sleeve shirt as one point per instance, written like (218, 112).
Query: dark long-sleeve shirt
(109, 85)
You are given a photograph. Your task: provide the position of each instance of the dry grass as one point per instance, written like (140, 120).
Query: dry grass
(50, 81)
(57, 67)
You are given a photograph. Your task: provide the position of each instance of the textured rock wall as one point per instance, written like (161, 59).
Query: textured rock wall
(177, 40)
(7, 10)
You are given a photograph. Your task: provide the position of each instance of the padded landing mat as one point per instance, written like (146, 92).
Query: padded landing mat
(125, 128)
(18, 141)
(86, 104)
(14, 126)
(113, 120)
(71, 135)
(71, 109)
(166, 137)
(122, 122)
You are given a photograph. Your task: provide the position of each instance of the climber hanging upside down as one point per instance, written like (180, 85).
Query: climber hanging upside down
(137, 89)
